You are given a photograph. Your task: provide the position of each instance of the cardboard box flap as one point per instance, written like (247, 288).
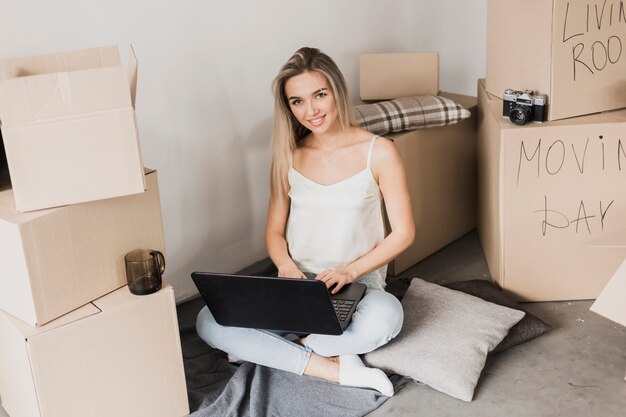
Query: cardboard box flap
(107, 56)
(610, 303)
(132, 74)
(49, 97)
(71, 317)
(69, 83)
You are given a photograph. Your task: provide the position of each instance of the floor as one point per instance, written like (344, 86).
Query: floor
(575, 370)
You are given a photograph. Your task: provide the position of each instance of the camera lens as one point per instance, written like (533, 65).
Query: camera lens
(520, 115)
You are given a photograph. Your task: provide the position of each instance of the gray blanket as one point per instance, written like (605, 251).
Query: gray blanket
(218, 388)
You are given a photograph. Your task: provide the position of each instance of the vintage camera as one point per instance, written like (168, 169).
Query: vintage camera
(522, 107)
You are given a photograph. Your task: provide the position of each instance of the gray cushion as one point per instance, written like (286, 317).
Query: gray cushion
(409, 113)
(445, 338)
(528, 328)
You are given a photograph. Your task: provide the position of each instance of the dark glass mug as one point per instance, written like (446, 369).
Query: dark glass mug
(144, 270)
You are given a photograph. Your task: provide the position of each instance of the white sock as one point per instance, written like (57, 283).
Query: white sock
(234, 359)
(354, 373)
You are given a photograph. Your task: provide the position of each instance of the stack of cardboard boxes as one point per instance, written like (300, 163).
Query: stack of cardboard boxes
(552, 200)
(440, 162)
(74, 340)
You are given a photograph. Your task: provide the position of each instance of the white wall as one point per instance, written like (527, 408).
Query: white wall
(204, 105)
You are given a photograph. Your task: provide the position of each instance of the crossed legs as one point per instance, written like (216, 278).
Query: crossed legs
(377, 320)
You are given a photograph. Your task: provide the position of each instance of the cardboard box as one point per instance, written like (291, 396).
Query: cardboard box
(575, 52)
(441, 172)
(117, 356)
(396, 75)
(68, 123)
(611, 303)
(547, 193)
(53, 261)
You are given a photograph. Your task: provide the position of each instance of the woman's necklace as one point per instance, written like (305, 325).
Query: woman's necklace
(329, 160)
(329, 157)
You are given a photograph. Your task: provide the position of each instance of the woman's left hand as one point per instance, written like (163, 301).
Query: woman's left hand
(336, 277)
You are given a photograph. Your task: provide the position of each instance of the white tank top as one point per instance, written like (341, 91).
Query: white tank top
(330, 226)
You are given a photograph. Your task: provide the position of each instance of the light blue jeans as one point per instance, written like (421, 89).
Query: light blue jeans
(377, 319)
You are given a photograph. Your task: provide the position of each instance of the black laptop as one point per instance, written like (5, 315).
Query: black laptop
(300, 306)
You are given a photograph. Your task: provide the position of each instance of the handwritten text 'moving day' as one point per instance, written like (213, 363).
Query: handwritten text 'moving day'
(596, 156)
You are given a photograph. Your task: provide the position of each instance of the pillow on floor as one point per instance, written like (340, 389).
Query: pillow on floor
(409, 113)
(528, 328)
(445, 338)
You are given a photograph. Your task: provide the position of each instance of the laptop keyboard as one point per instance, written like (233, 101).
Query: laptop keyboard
(342, 308)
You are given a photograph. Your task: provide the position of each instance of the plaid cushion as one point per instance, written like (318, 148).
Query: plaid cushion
(409, 113)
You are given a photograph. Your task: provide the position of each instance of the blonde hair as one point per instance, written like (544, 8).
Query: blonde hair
(287, 130)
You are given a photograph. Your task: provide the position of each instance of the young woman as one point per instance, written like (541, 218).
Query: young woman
(328, 180)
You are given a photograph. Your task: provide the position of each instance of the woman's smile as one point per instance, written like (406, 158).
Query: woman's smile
(317, 121)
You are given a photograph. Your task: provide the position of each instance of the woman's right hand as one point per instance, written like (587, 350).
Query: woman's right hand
(290, 271)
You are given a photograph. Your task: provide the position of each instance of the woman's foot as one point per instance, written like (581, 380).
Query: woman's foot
(354, 373)
(348, 370)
